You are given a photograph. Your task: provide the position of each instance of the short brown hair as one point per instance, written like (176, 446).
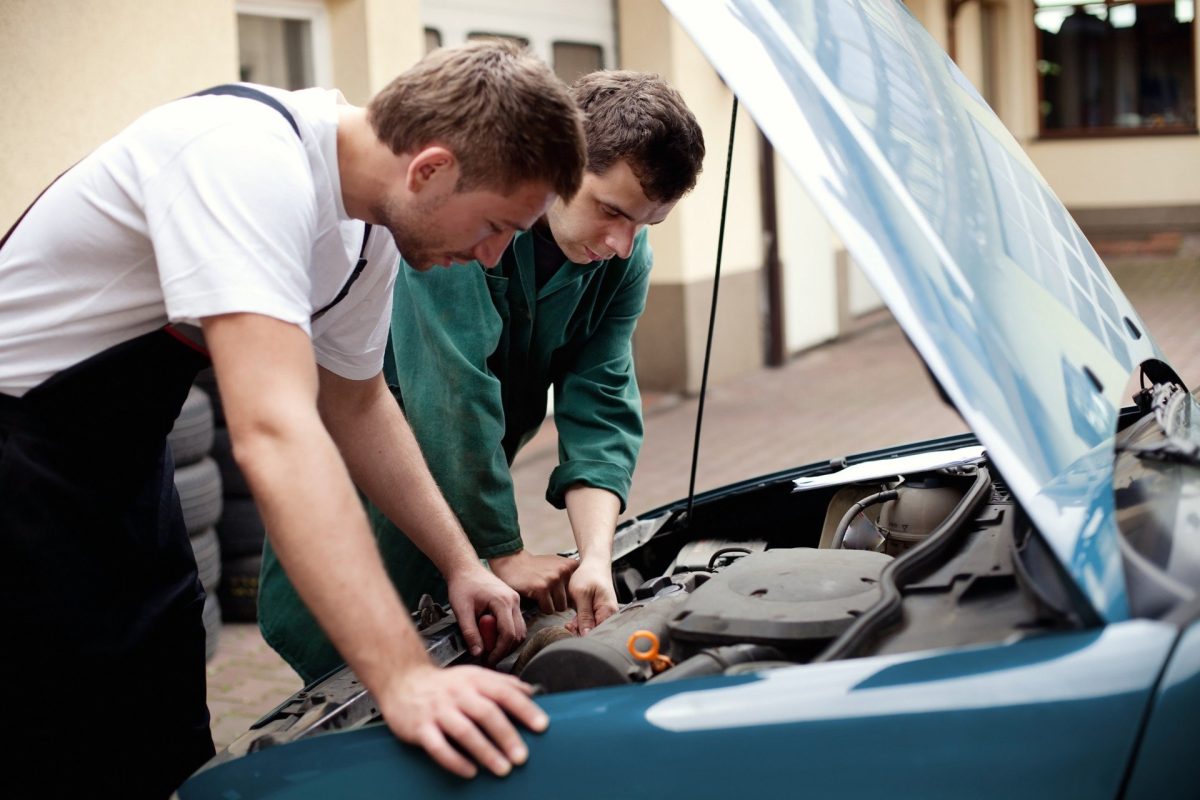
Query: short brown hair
(637, 116)
(499, 109)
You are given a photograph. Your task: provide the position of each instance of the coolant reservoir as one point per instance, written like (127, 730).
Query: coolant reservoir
(919, 508)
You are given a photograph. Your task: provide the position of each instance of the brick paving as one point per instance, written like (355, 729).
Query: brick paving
(866, 391)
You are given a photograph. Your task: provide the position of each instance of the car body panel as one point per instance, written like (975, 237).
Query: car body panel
(1063, 710)
(1167, 765)
(995, 285)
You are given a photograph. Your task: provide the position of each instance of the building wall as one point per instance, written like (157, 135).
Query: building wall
(373, 41)
(670, 340)
(77, 73)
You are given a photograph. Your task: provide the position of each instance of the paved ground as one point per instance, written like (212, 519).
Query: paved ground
(861, 393)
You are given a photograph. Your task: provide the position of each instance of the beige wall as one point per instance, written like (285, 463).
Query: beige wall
(1117, 173)
(671, 337)
(373, 42)
(75, 73)
(807, 254)
(685, 245)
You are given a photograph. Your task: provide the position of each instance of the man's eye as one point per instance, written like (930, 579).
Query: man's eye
(611, 212)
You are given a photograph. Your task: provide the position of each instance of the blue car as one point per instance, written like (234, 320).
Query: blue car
(1009, 613)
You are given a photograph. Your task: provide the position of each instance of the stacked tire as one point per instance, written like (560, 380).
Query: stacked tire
(240, 529)
(198, 481)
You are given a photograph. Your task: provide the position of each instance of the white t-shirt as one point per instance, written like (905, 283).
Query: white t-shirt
(207, 205)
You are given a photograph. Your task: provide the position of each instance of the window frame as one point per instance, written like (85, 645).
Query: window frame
(1107, 131)
(311, 11)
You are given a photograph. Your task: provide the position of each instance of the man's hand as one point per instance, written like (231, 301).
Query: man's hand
(540, 578)
(592, 595)
(430, 707)
(474, 591)
(593, 514)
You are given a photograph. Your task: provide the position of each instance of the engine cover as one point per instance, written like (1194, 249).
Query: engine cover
(781, 597)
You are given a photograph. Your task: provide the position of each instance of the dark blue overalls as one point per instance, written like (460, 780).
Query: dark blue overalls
(103, 664)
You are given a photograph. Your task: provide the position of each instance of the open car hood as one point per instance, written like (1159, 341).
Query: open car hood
(993, 282)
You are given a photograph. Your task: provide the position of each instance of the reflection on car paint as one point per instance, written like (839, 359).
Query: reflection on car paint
(1117, 660)
(990, 278)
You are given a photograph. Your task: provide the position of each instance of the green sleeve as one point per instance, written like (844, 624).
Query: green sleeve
(445, 325)
(597, 407)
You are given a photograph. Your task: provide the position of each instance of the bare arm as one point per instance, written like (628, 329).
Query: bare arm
(593, 513)
(385, 461)
(269, 387)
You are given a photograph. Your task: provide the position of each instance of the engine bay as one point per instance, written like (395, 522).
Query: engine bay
(765, 575)
(940, 558)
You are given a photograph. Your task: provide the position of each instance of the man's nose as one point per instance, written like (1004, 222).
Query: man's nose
(620, 239)
(488, 251)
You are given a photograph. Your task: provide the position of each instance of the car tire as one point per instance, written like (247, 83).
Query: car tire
(199, 487)
(241, 529)
(207, 380)
(212, 625)
(207, 550)
(231, 475)
(192, 436)
(239, 589)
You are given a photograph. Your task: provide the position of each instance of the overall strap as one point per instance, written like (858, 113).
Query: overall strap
(250, 93)
(358, 268)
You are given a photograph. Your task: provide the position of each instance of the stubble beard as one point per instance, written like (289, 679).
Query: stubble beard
(406, 231)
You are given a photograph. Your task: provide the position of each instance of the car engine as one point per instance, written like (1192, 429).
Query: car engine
(761, 576)
(770, 605)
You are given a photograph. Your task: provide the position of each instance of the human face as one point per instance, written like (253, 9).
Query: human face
(604, 216)
(452, 227)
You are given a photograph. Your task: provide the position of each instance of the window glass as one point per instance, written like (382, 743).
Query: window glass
(275, 51)
(572, 59)
(1116, 67)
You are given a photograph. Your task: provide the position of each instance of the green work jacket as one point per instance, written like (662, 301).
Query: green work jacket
(471, 356)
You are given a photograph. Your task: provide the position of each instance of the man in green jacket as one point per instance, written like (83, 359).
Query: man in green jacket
(473, 352)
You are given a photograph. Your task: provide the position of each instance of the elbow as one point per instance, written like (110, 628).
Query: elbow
(264, 444)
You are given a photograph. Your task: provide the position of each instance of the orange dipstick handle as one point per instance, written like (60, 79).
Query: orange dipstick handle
(657, 662)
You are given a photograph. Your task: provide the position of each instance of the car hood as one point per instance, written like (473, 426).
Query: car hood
(993, 282)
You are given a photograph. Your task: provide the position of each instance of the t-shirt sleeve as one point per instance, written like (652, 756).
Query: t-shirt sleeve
(232, 217)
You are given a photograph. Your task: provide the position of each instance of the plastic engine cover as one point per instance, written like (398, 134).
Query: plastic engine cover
(781, 597)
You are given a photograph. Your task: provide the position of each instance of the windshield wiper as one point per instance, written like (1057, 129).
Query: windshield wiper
(1164, 401)
(1175, 451)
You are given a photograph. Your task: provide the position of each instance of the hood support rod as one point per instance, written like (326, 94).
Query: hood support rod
(712, 316)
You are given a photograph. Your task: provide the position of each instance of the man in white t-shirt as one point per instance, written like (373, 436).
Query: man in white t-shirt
(230, 225)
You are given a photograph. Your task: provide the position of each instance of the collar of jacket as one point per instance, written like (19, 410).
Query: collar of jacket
(522, 247)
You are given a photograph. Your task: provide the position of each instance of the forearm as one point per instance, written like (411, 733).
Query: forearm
(385, 462)
(320, 533)
(304, 493)
(593, 514)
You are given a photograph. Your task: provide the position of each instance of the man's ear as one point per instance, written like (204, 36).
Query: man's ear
(432, 167)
